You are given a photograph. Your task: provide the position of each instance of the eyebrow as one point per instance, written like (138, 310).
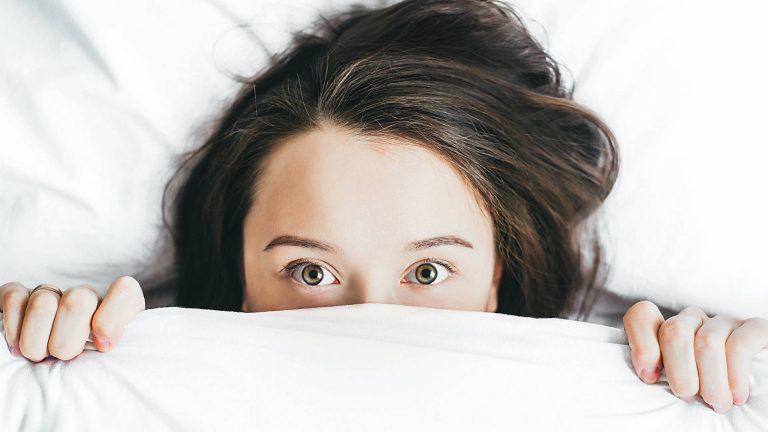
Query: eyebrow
(438, 241)
(289, 240)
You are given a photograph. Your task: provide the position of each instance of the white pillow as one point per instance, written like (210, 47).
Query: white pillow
(97, 98)
(372, 367)
(681, 86)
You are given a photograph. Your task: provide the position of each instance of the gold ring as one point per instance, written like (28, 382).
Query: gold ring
(47, 287)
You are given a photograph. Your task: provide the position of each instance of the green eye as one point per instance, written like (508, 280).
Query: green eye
(311, 274)
(428, 273)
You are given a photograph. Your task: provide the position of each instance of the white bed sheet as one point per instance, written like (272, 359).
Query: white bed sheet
(357, 367)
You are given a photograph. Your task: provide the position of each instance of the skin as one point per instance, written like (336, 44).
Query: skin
(43, 324)
(701, 355)
(367, 200)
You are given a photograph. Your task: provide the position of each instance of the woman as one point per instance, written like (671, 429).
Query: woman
(425, 153)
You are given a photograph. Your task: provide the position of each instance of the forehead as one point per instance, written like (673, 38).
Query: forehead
(335, 183)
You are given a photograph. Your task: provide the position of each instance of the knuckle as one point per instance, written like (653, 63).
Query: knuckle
(14, 297)
(9, 286)
(43, 303)
(694, 312)
(707, 341)
(78, 299)
(693, 309)
(674, 329)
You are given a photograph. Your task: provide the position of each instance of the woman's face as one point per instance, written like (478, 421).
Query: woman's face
(342, 219)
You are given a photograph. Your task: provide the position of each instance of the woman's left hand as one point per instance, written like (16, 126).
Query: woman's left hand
(701, 355)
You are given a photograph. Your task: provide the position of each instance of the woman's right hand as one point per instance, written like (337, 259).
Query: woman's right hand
(43, 324)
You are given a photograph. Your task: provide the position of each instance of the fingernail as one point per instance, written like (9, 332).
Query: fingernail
(15, 351)
(103, 343)
(738, 399)
(648, 375)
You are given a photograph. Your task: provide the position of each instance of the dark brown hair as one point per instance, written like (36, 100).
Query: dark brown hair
(463, 78)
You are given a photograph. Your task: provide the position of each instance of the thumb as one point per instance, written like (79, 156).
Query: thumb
(641, 323)
(123, 301)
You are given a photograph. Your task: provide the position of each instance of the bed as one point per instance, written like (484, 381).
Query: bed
(97, 99)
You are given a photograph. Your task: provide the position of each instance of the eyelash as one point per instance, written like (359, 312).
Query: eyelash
(291, 266)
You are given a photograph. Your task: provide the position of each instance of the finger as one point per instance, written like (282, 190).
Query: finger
(72, 322)
(13, 303)
(641, 323)
(676, 336)
(709, 349)
(36, 327)
(740, 349)
(124, 299)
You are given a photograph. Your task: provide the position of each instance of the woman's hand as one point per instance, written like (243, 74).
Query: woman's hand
(711, 356)
(43, 324)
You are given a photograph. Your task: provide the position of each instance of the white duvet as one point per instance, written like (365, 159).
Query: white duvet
(97, 97)
(357, 367)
